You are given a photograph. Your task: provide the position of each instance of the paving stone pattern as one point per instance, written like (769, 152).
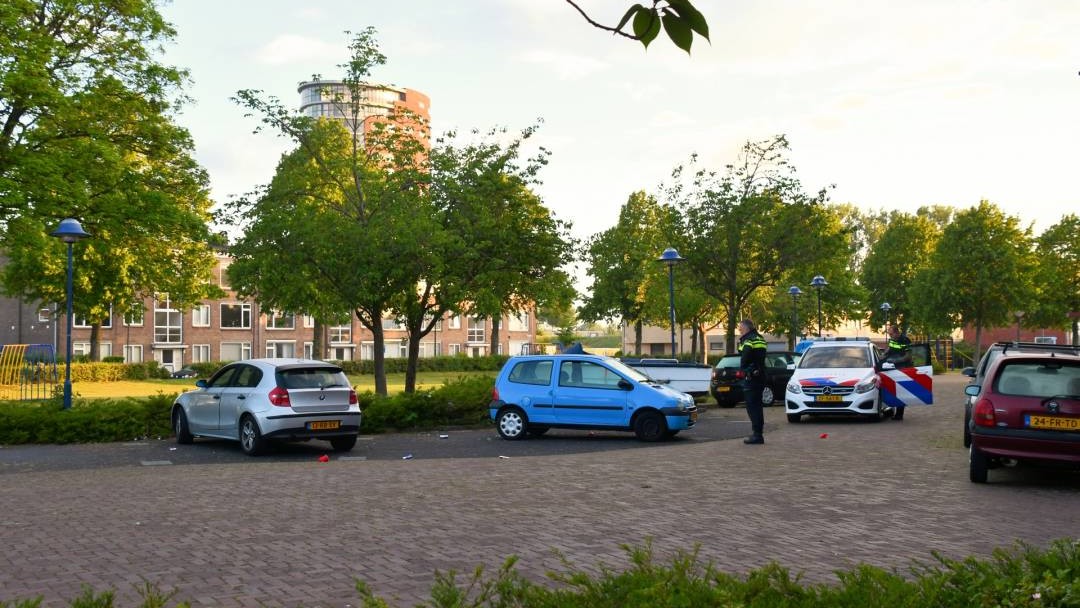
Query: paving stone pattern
(291, 533)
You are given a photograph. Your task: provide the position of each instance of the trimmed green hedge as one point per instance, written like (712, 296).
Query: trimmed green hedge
(86, 421)
(455, 363)
(1011, 578)
(461, 402)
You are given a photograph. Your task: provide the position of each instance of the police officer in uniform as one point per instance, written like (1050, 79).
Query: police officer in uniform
(899, 353)
(752, 349)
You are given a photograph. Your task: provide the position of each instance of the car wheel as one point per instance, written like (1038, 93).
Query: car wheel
(980, 465)
(251, 439)
(767, 396)
(967, 428)
(511, 423)
(794, 418)
(343, 444)
(536, 430)
(650, 426)
(180, 427)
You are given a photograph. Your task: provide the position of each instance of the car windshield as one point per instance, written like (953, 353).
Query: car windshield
(1039, 379)
(627, 371)
(729, 361)
(836, 357)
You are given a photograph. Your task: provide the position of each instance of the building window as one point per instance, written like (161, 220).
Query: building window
(476, 329)
(392, 324)
(341, 334)
(82, 321)
(80, 349)
(200, 353)
(235, 351)
(429, 349)
(168, 322)
(200, 316)
(106, 349)
(133, 353)
(285, 320)
(341, 353)
(223, 278)
(455, 349)
(235, 316)
(135, 317)
(518, 322)
(280, 349)
(44, 315)
(455, 322)
(309, 321)
(309, 350)
(367, 351)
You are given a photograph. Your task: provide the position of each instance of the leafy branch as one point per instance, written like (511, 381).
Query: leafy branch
(679, 18)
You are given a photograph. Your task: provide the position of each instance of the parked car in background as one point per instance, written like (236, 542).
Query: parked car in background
(683, 376)
(978, 373)
(849, 377)
(1027, 409)
(727, 381)
(538, 392)
(259, 400)
(185, 372)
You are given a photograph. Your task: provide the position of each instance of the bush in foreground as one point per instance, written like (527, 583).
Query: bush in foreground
(461, 402)
(87, 421)
(1020, 577)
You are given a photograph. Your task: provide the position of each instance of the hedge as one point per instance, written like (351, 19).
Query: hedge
(460, 402)
(87, 421)
(1018, 577)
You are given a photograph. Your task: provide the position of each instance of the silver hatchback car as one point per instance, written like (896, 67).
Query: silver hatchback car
(259, 400)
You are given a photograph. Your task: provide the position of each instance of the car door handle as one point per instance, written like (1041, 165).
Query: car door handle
(217, 396)
(241, 396)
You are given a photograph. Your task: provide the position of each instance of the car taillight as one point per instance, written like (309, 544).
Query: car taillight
(494, 393)
(739, 375)
(352, 397)
(279, 397)
(983, 414)
(715, 374)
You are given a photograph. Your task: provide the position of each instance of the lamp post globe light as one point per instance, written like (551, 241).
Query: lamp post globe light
(885, 308)
(69, 231)
(795, 293)
(671, 258)
(818, 283)
(1019, 314)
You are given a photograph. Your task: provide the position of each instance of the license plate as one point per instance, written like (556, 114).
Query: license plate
(324, 425)
(829, 398)
(1053, 423)
(723, 389)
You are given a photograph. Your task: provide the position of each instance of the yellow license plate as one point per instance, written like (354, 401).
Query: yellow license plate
(324, 425)
(723, 389)
(829, 398)
(1053, 423)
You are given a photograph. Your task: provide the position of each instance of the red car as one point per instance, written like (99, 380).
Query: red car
(1027, 409)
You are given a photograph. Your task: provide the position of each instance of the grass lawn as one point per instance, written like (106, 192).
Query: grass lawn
(130, 388)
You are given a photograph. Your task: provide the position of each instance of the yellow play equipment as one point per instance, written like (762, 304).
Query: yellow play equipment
(27, 372)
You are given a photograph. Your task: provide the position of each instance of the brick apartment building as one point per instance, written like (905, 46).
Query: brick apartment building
(230, 329)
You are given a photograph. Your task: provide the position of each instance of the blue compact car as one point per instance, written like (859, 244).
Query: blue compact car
(535, 393)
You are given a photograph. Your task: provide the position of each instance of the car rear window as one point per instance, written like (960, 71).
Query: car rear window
(836, 357)
(311, 377)
(532, 372)
(1039, 379)
(729, 361)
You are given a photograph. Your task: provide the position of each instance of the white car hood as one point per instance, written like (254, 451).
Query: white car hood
(844, 376)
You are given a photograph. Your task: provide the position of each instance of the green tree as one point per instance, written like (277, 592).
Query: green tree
(678, 18)
(980, 271)
(901, 252)
(751, 226)
(621, 258)
(1058, 278)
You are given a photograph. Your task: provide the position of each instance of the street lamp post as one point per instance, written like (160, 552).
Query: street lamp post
(818, 283)
(885, 308)
(795, 293)
(69, 231)
(1019, 314)
(671, 258)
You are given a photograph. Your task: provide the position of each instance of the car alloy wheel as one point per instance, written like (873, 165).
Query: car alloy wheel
(251, 441)
(767, 396)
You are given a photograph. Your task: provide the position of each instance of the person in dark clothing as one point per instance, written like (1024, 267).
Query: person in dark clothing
(899, 353)
(752, 349)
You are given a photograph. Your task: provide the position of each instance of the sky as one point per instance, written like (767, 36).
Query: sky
(896, 105)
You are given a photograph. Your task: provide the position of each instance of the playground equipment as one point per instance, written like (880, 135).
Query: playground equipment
(27, 372)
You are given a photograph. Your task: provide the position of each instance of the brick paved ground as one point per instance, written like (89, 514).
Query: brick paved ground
(289, 533)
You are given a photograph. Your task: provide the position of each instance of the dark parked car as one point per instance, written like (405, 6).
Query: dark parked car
(978, 372)
(185, 372)
(1027, 408)
(726, 383)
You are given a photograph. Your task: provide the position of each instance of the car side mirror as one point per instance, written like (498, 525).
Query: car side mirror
(888, 365)
(200, 383)
(969, 372)
(972, 390)
(626, 385)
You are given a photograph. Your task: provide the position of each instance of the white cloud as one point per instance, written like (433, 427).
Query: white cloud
(566, 66)
(292, 48)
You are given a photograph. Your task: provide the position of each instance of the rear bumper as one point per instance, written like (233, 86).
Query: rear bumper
(1026, 444)
(296, 426)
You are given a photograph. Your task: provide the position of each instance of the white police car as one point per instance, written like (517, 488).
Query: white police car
(850, 377)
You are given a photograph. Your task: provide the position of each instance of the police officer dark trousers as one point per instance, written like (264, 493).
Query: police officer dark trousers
(752, 349)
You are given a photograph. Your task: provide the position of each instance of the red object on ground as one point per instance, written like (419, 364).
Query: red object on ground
(824, 436)
(324, 458)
